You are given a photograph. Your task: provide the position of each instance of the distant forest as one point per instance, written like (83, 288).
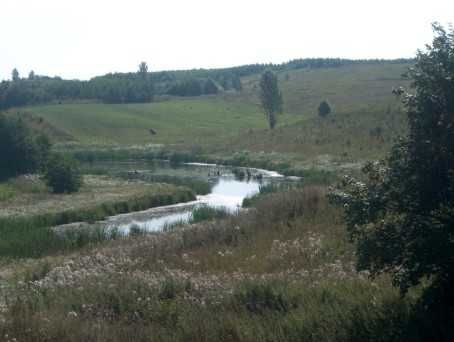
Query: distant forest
(143, 86)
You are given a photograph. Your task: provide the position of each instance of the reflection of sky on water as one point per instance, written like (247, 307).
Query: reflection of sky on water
(157, 223)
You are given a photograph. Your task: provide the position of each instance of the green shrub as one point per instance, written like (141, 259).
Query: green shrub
(258, 297)
(21, 150)
(205, 212)
(63, 174)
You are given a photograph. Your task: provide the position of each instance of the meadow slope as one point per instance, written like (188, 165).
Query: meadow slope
(360, 96)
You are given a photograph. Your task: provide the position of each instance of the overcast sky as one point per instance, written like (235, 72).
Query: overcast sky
(85, 38)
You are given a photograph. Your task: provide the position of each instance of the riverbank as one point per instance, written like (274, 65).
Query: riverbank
(26, 217)
(323, 170)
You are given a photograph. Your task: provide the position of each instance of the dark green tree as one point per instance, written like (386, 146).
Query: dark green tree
(324, 109)
(270, 97)
(210, 87)
(21, 151)
(402, 216)
(236, 83)
(31, 75)
(62, 174)
(15, 75)
(143, 69)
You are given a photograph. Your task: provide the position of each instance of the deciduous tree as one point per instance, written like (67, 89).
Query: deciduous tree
(271, 97)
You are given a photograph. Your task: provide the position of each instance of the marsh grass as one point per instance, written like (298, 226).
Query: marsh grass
(200, 187)
(270, 188)
(281, 271)
(31, 237)
(205, 212)
(6, 192)
(26, 240)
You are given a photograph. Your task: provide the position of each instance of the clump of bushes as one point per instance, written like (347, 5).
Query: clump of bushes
(62, 174)
(324, 109)
(21, 151)
(259, 297)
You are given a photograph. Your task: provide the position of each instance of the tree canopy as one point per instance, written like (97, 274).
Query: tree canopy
(324, 109)
(402, 216)
(21, 151)
(270, 97)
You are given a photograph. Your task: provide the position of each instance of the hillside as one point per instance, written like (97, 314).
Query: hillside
(365, 113)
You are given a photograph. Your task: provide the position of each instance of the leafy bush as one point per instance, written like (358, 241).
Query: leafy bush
(324, 109)
(402, 216)
(21, 151)
(258, 297)
(62, 174)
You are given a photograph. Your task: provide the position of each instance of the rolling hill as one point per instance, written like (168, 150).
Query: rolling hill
(366, 116)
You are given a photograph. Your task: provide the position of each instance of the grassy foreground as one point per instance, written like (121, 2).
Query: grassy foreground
(282, 271)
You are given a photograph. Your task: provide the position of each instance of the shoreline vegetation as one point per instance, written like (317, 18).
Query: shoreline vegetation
(325, 176)
(282, 270)
(26, 221)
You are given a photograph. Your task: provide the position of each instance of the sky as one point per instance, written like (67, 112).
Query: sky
(85, 38)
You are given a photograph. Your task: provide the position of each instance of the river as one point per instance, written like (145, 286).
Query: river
(227, 191)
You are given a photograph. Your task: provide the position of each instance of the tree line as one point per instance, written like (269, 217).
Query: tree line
(143, 85)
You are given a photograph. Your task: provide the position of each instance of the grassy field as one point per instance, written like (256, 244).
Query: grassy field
(29, 211)
(183, 121)
(365, 118)
(283, 271)
(30, 197)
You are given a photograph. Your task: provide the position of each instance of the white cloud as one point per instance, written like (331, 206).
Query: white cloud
(81, 39)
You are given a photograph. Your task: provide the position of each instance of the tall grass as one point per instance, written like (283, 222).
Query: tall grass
(217, 282)
(205, 212)
(270, 188)
(25, 237)
(200, 187)
(25, 240)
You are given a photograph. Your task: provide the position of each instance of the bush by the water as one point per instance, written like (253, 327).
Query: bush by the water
(205, 212)
(63, 174)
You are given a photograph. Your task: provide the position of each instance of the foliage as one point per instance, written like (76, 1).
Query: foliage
(210, 87)
(190, 87)
(402, 216)
(21, 151)
(205, 212)
(131, 87)
(324, 109)
(270, 97)
(62, 174)
(15, 75)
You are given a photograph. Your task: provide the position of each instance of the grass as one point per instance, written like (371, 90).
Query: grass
(6, 192)
(34, 199)
(200, 187)
(182, 121)
(220, 125)
(283, 271)
(29, 235)
(204, 213)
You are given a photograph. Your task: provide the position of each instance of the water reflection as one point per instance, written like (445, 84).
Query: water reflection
(228, 191)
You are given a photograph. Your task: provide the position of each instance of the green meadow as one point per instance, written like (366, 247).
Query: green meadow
(360, 97)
